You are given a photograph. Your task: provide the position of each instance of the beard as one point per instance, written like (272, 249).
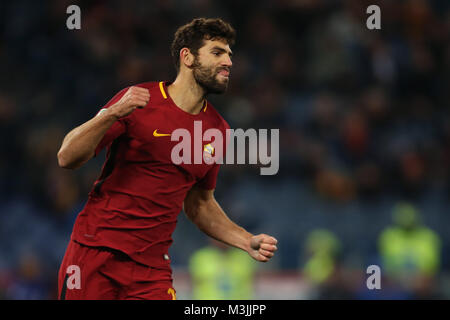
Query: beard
(206, 77)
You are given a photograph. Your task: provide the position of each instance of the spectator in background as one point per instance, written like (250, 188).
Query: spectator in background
(322, 268)
(322, 246)
(220, 272)
(410, 252)
(29, 282)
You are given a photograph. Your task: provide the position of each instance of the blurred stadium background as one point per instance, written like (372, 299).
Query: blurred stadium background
(364, 125)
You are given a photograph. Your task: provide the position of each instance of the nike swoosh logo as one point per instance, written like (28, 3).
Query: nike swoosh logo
(156, 134)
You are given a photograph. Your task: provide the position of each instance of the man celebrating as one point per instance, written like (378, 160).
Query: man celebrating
(120, 241)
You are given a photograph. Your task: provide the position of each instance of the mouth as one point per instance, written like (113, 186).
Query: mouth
(224, 73)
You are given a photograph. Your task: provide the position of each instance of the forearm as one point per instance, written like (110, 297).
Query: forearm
(79, 144)
(202, 209)
(212, 220)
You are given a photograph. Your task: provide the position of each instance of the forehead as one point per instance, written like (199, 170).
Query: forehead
(209, 44)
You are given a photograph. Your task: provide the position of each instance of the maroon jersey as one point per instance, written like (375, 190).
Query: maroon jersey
(133, 206)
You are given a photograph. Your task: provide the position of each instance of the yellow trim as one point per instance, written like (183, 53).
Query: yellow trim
(163, 92)
(161, 87)
(156, 134)
(171, 291)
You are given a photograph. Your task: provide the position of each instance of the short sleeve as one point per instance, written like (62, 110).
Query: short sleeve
(208, 182)
(117, 129)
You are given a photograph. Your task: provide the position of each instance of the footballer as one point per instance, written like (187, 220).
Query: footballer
(119, 246)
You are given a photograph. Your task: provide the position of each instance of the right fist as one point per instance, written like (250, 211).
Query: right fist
(135, 97)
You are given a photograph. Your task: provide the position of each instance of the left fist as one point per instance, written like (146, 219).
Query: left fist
(262, 247)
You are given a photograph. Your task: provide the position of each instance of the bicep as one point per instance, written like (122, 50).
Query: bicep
(197, 195)
(195, 199)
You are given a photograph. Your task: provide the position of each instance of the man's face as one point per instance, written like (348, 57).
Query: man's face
(212, 66)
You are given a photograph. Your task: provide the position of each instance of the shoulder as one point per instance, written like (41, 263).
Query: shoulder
(389, 233)
(427, 233)
(151, 85)
(156, 90)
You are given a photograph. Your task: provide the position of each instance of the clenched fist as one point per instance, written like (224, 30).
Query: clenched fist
(262, 247)
(135, 97)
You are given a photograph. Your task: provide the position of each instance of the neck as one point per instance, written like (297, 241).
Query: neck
(186, 93)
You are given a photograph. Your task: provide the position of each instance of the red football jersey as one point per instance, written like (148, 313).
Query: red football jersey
(133, 206)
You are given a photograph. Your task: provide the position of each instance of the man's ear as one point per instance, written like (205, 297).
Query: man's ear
(186, 57)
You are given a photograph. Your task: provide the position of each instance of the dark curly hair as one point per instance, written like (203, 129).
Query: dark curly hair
(193, 34)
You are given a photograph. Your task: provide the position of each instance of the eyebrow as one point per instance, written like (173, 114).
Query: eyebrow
(230, 53)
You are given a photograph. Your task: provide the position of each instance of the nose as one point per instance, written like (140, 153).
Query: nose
(227, 62)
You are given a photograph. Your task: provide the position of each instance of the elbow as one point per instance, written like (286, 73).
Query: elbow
(63, 162)
(68, 161)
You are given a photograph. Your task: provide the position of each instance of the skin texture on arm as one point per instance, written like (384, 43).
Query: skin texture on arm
(203, 210)
(79, 144)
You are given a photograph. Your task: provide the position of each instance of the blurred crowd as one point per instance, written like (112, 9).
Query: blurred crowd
(363, 115)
